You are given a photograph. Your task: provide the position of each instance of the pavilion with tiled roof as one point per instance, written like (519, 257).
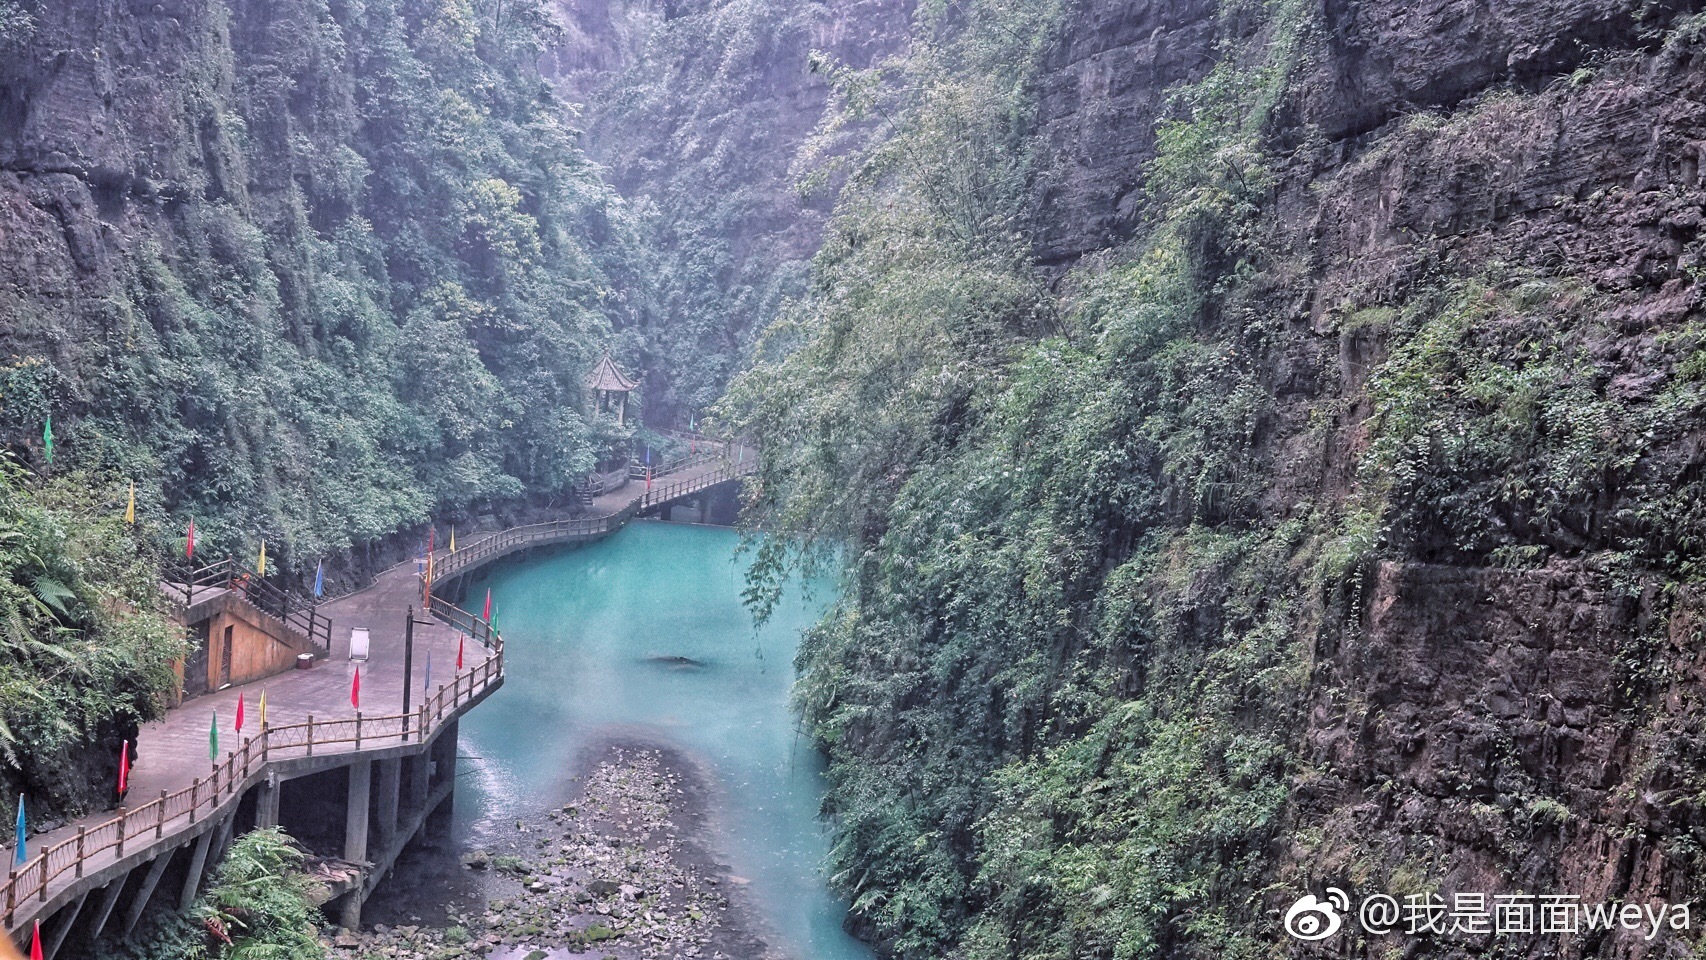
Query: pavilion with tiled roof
(610, 388)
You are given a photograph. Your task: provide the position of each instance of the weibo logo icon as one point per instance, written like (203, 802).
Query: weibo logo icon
(1313, 919)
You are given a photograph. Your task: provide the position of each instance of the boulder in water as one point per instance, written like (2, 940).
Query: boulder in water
(676, 661)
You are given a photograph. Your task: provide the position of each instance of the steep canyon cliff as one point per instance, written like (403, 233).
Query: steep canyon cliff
(1311, 500)
(706, 115)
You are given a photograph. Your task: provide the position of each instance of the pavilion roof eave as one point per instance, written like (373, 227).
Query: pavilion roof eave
(606, 376)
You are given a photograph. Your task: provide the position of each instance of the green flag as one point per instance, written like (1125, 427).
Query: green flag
(213, 739)
(47, 438)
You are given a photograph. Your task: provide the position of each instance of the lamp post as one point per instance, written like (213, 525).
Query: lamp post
(408, 664)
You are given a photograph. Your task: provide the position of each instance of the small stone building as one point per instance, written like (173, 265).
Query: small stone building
(234, 641)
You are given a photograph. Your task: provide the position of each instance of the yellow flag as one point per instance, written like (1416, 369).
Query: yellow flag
(130, 508)
(453, 538)
(261, 568)
(263, 708)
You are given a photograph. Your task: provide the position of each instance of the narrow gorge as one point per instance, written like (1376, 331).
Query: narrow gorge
(1247, 456)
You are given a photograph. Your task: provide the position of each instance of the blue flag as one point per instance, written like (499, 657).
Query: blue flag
(648, 455)
(320, 579)
(23, 852)
(426, 686)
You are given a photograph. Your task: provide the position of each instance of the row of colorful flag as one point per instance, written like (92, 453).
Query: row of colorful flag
(21, 847)
(261, 560)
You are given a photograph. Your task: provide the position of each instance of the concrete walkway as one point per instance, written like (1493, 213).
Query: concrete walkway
(172, 753)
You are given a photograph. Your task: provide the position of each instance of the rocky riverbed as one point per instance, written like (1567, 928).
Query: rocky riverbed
(625, 870)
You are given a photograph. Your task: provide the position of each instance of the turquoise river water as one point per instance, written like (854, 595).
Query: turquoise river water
(582, 628)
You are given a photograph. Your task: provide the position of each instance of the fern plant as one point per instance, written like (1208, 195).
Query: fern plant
(255, 909)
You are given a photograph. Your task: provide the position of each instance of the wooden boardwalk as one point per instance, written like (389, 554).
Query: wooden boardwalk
(177, 792)
(609, 513)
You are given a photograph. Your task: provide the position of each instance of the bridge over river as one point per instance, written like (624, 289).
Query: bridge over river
(390, 765)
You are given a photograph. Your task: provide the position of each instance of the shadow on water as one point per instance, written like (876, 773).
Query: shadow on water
(644, 635)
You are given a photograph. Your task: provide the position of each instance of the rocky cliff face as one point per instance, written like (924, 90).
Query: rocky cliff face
(1427, 145)
(87, 152)
(217, 271)
(699, 112)
(1562, 142)
(1105, 87)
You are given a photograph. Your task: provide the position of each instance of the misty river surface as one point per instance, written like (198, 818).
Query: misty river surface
(588, 635)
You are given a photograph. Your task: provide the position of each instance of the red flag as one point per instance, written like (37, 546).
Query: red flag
(189, 541)
(239, 713)
(459, 641)
(35, 943)
(487, 615)
(648, 479)
(355, 690)
(123, 768)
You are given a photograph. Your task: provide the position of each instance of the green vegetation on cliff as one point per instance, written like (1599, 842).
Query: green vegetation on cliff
(1091, 566)
(85, 652)
(1055, 694)
(356, 283)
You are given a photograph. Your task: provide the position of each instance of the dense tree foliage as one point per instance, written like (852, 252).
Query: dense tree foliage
(1090, 556)
(86, 651)
(371, 300)
(1060, 690)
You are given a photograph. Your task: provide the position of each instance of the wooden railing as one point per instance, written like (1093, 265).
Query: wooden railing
(687, 461)
(227, 780)
(595, 485)
(507, 541)
(665, 492)
(296, 613)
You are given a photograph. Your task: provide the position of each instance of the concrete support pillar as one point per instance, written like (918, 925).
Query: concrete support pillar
(349, 914)
(443, 817)
(222, 838)
(355, 812)
(266, 803)
(444, 752)
(109, 900)
(67, 922)
(390, 791)
(419, 770)
(444, 755)
(192, 878)
(355, 835)
(139, 903)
